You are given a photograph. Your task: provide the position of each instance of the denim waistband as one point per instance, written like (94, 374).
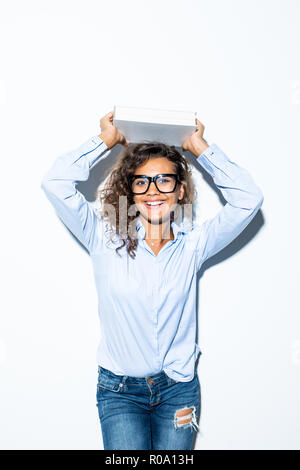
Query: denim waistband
(130, 379)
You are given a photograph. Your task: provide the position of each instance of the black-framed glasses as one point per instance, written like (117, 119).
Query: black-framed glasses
(165, 183)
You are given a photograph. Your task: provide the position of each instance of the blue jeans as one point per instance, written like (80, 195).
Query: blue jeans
(147, 413)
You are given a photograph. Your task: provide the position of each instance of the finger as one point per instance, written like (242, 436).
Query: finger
(123, 139)
(125, 142)
(109, 116)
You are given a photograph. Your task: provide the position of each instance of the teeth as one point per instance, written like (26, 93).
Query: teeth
(154, 203)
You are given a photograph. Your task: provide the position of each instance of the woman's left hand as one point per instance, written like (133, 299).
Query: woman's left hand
(196, 143)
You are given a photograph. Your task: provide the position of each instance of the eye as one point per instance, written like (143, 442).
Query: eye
(164, 180)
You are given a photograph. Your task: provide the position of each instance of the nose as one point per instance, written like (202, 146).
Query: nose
(152, 185)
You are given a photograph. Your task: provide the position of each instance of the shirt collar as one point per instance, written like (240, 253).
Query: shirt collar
(182, 227)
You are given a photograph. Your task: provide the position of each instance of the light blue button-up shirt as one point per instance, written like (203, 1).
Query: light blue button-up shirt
(147, 305)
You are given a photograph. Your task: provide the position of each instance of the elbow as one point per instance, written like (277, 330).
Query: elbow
(259, 198)
(254, 201)
(44, 184)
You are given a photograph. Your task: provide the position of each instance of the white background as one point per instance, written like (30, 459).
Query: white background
(64, 64)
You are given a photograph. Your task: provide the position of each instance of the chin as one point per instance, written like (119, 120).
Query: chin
(156, 218)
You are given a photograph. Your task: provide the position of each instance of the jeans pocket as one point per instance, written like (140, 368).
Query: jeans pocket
(191, 385)
(171, 381)
(109, 384)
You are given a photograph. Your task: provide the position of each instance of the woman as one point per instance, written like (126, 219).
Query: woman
(146, 252)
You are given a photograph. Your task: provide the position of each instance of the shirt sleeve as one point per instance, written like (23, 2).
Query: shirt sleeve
(243, 196)
(59, 185)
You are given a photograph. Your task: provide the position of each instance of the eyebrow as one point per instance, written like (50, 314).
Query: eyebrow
(158, 174)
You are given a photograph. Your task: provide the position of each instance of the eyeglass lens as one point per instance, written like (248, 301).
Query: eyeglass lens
(164, 184)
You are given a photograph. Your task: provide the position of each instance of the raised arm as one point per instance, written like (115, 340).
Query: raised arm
(243, 196)
(59, 184)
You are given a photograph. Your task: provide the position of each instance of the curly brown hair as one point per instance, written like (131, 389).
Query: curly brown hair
(130, 158)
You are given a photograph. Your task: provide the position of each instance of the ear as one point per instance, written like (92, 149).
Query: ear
(181, 192)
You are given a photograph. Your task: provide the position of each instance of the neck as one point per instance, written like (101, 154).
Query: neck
(158, 233)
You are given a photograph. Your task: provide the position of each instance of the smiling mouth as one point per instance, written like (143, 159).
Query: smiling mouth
(154, 206)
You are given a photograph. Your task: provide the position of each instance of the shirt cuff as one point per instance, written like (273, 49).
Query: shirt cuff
(97, 140)
(95, 143)
(209, 151)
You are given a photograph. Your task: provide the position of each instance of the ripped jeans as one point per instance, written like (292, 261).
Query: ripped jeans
(147, 413)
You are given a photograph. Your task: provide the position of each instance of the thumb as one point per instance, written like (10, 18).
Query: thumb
(123, 140)
(109, 117)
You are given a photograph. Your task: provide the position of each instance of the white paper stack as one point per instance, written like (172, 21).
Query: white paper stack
(148, 124)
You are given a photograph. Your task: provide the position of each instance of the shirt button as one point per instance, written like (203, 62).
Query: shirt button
(150, 381)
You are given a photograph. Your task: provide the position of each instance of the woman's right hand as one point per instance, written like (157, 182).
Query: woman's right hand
(109, 133)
